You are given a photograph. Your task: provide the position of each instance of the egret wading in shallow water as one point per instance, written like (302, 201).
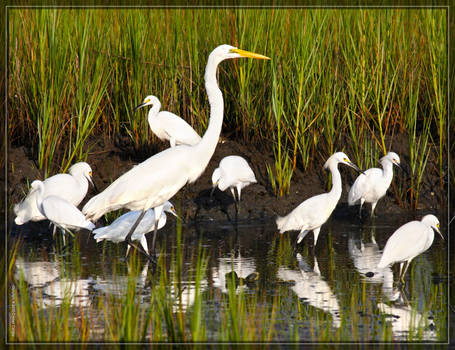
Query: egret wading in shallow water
(168, 126)
(233, 172)
(153, 182)
(315, 211)
(59, 211)
(117, 231)
(72, 187)
(372, 185)
(410, 240)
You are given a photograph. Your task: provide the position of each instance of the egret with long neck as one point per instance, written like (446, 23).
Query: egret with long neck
(311, 214)
(153, 182)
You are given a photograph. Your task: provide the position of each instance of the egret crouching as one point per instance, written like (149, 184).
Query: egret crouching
(311, 214)
(372, 185)
(168, 126)
(233, 172)
(157, 179)
(72, 187)
(59, 211)
(410, 240)
(117, 231)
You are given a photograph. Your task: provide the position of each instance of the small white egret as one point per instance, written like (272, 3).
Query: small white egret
(168, 126)
(59, 211)
(372, 185)
(117, 231)
(154, 181)
(72, 187)
(233, 172)
(408, 241)
(311, 214)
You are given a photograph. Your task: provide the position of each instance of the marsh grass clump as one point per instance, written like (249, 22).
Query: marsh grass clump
(348, 79)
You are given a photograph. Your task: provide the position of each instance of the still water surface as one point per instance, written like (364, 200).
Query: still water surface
(323, 293)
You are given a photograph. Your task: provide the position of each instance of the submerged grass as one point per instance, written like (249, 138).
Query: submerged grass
(302, 296)
(339, 79)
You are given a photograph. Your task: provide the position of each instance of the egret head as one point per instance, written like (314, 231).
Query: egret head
(36, 185)
(224, 52)
(150, 100)
(391, 157)
(82, 168)
(433, 222)
(340, 157)
(216, 177)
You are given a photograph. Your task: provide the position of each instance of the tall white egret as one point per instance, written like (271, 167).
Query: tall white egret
(372, 185)
(233, 172)
(72, 187)
(408, 241)
(154, 181)
(117, 231)
(168, 126)
(315, 211)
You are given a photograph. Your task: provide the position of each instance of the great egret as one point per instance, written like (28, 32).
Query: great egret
(372, 185)
(315, 211)
(233, 172)
(59, 211)
(408, 241)
(154, 181)
(117, 231)
(72, 187)
(168, 126)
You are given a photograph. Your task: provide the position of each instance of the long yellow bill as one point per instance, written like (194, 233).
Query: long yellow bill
(249, 54)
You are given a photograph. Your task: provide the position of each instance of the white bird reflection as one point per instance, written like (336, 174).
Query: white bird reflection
(36, 273)
(118, 285)
(74, 291)
(243, 267)
(406, 319)
(310, 286)
(184, 298)
(45, 281)
(366, 259)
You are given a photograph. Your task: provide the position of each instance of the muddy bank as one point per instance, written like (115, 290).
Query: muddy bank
(109, 160)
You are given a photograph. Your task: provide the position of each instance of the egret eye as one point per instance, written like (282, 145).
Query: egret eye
(147, 100)
(90, 173)
(346, 159)
(437, 225)
(172, 208)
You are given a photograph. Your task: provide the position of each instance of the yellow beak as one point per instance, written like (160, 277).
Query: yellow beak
(249, 54)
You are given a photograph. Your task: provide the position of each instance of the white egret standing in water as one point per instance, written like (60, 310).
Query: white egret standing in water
(72, 187)
(233, 172)
(372, 185)
(59, 211)
(315, 211)
(117, 231)
(168, 126)
(154, 181)
(410, 240)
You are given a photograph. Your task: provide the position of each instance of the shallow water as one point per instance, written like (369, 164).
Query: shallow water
(319, 294)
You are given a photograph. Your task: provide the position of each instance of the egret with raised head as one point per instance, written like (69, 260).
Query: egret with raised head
(311, 214)
(157, 179)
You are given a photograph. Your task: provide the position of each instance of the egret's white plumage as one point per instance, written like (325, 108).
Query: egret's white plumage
(116, 232)
(59, 211)
(72, 187)
(168, 126)
(314, 212)
(408, 241)
(372, 185)
(233, 172)
(154, 181)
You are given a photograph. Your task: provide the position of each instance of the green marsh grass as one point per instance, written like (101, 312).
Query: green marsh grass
(345, 79)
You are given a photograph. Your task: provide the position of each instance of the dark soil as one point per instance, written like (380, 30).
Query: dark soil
(109, 160)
